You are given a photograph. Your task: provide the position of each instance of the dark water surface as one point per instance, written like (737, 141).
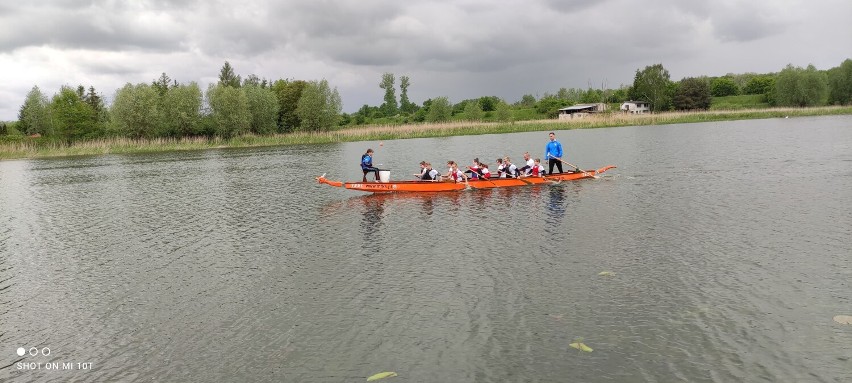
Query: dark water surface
(730, 244)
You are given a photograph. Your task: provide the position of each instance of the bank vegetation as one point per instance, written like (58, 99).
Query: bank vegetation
(26, 147)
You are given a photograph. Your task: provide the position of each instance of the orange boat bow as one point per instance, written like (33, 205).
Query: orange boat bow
(321, 179)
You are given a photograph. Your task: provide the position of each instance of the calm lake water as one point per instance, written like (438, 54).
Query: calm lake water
(729, 246)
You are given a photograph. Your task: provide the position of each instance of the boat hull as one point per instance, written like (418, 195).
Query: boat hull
(448, 186)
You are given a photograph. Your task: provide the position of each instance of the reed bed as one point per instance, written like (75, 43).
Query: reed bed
(36, 149)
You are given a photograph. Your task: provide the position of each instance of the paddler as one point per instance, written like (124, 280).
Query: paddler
(367, 165)
(455, 174)
(430, 174)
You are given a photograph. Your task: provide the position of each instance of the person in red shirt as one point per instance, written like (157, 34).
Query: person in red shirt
(455, 174)
(483, 171)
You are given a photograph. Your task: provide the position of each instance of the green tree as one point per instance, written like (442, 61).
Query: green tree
(405, 104)
(692, 94)
(253, 80)
(440, 110)
(459, 107)
(503, 114)
(96, 102)
(760, 84)
(136, 110)
(472, 111)
(162, 84)
(263, 106)
(620, 95)
(182, 110)
(840, 83)
(74, 119)
(652, 84)
(800, 87)
(288, 92)
(571, 95)
(527, 101)
(549, 105)
(592, 96)
(319, 107)
(489, 103)
(389, 107)
(34, 116)
(723, 86)
(229, 109)
(227, 77)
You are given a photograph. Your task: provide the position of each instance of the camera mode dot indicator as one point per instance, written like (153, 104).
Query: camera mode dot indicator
(21, 351)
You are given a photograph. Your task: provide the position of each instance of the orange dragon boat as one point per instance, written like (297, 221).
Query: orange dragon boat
(445, 186)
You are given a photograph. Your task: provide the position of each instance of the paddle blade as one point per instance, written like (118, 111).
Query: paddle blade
(381, 375)
(843, 319)
(581, 346)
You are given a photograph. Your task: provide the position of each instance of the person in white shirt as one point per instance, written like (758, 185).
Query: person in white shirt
(501, 169)
(430, 174)
(511, 169)
(527, 169)
(455, 174)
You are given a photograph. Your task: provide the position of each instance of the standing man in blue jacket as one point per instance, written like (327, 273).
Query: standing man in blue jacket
(553, 153)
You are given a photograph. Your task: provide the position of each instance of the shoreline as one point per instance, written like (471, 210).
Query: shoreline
(122, 145)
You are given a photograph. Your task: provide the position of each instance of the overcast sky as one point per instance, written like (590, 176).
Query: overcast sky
(460, 49)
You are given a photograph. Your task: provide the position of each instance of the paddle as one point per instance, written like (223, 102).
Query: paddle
(487, 180)
(566, 163)
(573, 166)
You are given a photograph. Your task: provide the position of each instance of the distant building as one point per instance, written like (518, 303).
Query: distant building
(635, 107)
(581, 110)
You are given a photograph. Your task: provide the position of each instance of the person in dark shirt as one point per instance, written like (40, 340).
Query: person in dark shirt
(367, 165)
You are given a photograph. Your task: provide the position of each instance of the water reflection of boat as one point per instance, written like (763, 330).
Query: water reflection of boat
(445, 186)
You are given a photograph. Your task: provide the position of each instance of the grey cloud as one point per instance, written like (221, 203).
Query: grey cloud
(571, 6)
(86, 29)
(745, 27)
(109, 68)
(461, 49)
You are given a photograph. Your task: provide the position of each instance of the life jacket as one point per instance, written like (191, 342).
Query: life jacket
(512, 170)
(366, 162)
(427, 175)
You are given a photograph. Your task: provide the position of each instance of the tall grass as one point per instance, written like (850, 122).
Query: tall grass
(32, 148)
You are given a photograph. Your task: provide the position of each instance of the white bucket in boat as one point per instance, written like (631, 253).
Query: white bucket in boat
(384, 176)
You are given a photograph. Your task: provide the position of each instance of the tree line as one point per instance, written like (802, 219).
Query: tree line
(165, 108)
(792, 86)
(234, 106)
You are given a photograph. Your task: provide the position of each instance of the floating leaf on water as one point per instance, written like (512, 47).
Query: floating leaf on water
(606, 273)
(581, 346)
(381, 375)
(843, 319)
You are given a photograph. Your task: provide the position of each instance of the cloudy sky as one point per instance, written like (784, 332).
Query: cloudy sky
(459, 49)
